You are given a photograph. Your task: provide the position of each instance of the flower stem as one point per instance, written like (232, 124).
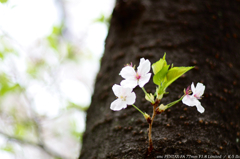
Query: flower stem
(144, 90)
(174, 102)
(138, 109)
(150, 148)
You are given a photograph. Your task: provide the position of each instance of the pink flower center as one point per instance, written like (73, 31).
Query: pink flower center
(197, 96)
(188, 91)
(138, 76)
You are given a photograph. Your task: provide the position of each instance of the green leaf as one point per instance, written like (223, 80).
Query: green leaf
(19, 130)
(54, 37)
(8, 148)
(157, 66)
(1, 55)
(53, 41)
(57, 30)
(174, 73)
(74, 132)
(22, 128)
(160, 77)
(72, 105)
(3, 1)
(7, 85)
(103, 19)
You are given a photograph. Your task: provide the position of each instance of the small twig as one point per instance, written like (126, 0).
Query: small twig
(150, 148)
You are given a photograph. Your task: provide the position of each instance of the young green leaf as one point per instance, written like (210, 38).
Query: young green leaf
(160, 77)
(157, 66)
(174, 73)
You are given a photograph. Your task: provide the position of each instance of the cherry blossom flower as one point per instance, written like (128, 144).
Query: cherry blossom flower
(139, 77)
(193, 100)
(125, 97)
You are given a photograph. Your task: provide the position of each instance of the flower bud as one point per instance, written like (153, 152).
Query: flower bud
(148, 118)
(159, 93)
(150, 98)
(161, 109)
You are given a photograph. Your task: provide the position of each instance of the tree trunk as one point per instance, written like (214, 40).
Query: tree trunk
(199, 33)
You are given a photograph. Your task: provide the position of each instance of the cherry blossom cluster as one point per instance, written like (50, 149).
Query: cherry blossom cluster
(163, 76)
(141, 76)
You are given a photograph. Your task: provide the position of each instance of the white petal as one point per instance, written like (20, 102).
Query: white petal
(200, 108)
(144, 79)
(190, 100)
(117, 90)
(186, 99)
(128, 72)
(118, 105)
(131, 98)
(199, 89)
(144, 67)
(193, 87)
(142, 60)
(126, 90)
(131, 83)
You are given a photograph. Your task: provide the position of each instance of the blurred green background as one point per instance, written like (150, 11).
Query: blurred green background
(50, 52)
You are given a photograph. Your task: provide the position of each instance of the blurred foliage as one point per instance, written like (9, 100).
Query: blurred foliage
(103, 19)
(53, 38)
(34, 67)
(7, 86)
(5, 48)
(20, 129)
(20, 118)
(72, 105)
(20, 121)
(3, 1)
(71, 52)
(78, 135)
(8, 147)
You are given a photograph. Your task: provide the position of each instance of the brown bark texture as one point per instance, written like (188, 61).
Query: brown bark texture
(200, 33)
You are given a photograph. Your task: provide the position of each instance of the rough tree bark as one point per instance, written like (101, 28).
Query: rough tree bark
(197, 33)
